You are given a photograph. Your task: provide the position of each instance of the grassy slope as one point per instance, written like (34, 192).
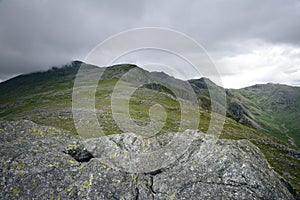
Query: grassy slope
(276, 108)
(45, 98)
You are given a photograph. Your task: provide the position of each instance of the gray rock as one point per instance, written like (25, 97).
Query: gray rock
(37, 163)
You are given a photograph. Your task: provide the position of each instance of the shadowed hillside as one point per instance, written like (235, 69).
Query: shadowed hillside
(272, 108)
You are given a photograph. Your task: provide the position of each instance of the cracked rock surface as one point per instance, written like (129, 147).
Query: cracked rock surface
(39, 162)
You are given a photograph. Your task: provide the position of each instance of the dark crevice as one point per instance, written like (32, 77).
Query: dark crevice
(79, 153)
(153, 173)
(137, 193)
(151, 185)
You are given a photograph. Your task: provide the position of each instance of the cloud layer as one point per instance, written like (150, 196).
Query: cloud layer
(250, 41)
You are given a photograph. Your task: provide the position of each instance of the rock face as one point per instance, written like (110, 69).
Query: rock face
(39, 162)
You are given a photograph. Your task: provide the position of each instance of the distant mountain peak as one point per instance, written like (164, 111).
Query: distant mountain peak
(203, 83)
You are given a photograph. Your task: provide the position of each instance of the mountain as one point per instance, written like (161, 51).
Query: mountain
(272, 108)
(253, 113)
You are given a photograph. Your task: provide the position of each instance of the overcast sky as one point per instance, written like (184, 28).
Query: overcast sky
(250, 41)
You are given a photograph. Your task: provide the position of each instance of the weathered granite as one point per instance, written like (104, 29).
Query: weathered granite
(39, 162)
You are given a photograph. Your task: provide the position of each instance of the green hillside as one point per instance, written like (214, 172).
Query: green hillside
(46, 98)
(274, 107)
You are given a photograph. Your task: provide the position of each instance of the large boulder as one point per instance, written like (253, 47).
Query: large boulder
(39, 162)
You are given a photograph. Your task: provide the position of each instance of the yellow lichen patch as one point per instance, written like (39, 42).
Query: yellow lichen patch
(72, 162)
(56, 165)
(114, 181)
(72, 147)
(112, 156)
(53, 131)
(15, 192)
(21, 173)
(100, 174)
(21, 166)
(40, 133)
(139, 137)
(91, 177)
(32, 130)
(105, 167)
(55, 197)
(69, 190)
(172, 196)
(80, 167)
(37, 132)
(210, 155)
(85, 184)
(36, 151)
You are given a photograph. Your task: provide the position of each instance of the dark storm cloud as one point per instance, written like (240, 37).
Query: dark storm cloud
(35, 35)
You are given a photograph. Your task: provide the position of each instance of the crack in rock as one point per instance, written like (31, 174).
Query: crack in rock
(56, 164)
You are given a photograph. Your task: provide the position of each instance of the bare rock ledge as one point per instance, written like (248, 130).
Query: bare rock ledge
(39, 162)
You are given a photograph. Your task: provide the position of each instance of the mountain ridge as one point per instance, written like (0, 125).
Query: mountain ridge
(45, 98)
(239, 105)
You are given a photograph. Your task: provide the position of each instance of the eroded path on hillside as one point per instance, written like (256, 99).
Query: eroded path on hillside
(290, 139)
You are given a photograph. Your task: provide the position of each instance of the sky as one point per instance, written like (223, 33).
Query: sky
(249, 41)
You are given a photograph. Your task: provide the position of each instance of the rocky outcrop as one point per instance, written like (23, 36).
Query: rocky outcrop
(39, 162)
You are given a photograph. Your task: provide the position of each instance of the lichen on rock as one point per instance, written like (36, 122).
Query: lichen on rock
(227, 170)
